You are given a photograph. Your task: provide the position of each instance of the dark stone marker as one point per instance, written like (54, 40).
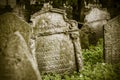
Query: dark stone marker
(57, 43)
(112, 40)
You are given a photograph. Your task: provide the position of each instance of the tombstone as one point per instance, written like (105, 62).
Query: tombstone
(96, 18)
(112, 40)
(57, 41)
(93, 28)
(16, 60)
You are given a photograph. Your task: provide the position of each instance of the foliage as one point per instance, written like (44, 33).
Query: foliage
(100, 71)
(94, 54)
(94, 67)
(116, 68)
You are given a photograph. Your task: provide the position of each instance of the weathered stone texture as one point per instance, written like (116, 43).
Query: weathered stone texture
(112, 40)
(55, 50)
(92, 31)
(16, 61)
(9, 23)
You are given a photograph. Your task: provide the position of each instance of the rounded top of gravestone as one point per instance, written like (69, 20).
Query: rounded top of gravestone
(10, 23)
(48, 8)
(97, 14)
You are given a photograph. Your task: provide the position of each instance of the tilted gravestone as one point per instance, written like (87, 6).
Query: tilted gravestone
(112, 40)
(16, 61)
(57, 41)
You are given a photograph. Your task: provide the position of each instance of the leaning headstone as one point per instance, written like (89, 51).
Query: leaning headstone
(112, 40)
(57, 41)
(16, 61)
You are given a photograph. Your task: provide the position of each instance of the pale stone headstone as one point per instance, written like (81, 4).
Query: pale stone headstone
(96, 18)
(112, 40)
(16, 60)
(92, 30)
(57, 47)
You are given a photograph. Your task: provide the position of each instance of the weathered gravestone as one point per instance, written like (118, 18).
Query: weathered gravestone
(57, 41)
(92, 31)
(16, 61)
(112, 40)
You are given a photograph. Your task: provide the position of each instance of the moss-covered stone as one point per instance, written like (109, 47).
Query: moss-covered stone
(9, 23)
(56, 48)
(112, 40)
(16, 61)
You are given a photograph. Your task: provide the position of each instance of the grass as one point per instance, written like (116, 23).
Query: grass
(94, 67)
